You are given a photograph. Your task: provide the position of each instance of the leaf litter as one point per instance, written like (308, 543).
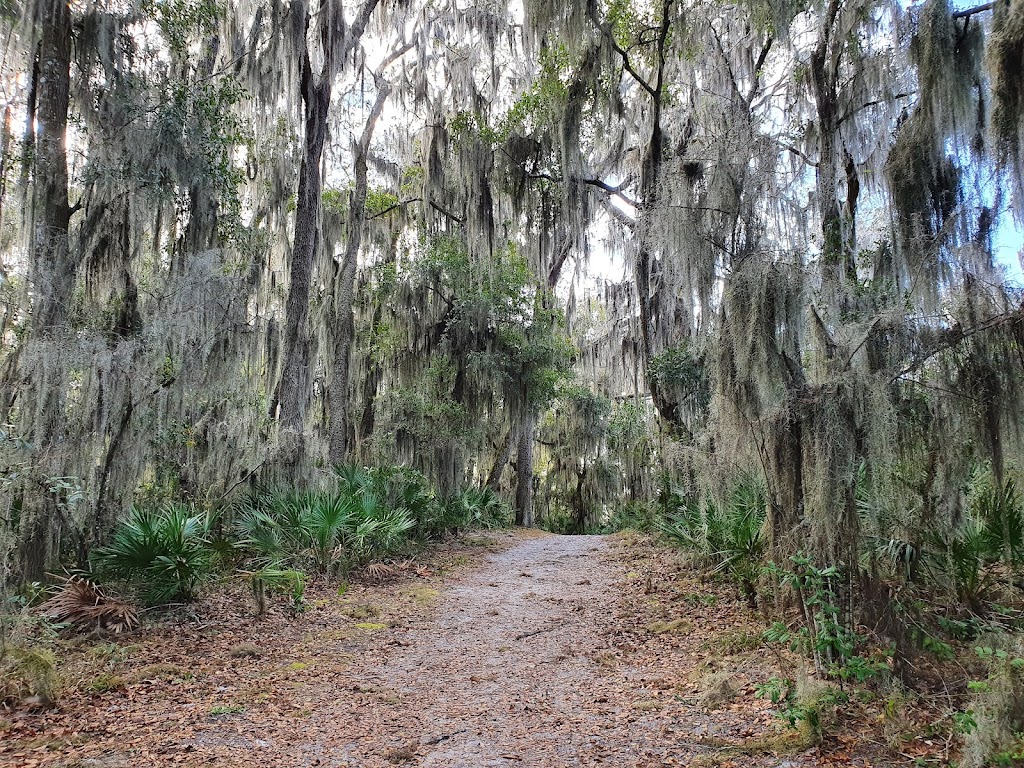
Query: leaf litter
(510, 649)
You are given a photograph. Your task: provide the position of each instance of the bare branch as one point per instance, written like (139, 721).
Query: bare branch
(956, 334)
(799, 153)
(756, 85)
(872, 103)
(449, 214)
(628, 65)
(394, 207)
(967, 12)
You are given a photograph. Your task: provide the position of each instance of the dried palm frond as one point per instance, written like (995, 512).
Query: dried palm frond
(378, 572)
(82, 605)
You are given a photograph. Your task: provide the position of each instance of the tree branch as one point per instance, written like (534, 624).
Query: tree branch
(449, 214)
(593, 182)
(617, 191)
(628, 65)
(756, 85)
(953, 336)
(971, 11)
(872, 103)
(799, 154)
(393, 207)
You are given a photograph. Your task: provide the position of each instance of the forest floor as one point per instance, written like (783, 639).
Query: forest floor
(500, 649)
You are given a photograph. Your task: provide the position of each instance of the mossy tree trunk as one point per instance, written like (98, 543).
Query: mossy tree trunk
(524, 469)
(53, 270)
(336, 43)
(341, 432)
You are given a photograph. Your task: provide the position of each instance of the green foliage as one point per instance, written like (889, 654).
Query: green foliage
(291, 582)
(974, 558)
(334, 200)
(559, 519)
(776, 689)
(181, 21)
(822, 634)
(683, 371)
(369, 514)
(634, 28)
(481, 507)
(965, 722)
(629, 431)
(497, 293)
(378, 201)
(860, 669)
(227, 709)
(943, 651)
(801, 708)
(162, 552)
(324, 532)
(632, 515)
(729, 535)
(430, 414)
(201, 117)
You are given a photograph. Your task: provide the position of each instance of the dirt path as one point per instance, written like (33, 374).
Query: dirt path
(547, 651)
(519, 667)
(502, 674)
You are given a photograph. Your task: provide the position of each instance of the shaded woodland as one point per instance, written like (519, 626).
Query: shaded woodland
(725, 271)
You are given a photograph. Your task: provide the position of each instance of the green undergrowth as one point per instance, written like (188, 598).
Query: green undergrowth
(909, 594)
(275, 538)
(279, 537)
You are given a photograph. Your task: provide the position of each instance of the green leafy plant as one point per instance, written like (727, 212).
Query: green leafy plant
(162, 553)
(965, 722)
(976, 557)
(823, 634)
(481, 507)
(729, 535)
(776, 689)
(324, 532)
(292, 582)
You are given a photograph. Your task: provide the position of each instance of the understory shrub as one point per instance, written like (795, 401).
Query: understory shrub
(994, 718)
(558, 518)
(635, 515)
(985, 554)
(481, 508)
(729, 536)
(275, 536)
(162, 553)
(975, 560)
(324, 532)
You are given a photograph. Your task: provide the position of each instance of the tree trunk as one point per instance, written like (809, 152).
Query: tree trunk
(294, 388)
(837, 250)
(340, 428)
(53, 270)
(650, 182)
(524, 469)
(336, 43)
(501, 461)
(5, 150)
(52, 276)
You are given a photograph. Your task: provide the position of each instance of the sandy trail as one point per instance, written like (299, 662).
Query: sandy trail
(515, 668)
